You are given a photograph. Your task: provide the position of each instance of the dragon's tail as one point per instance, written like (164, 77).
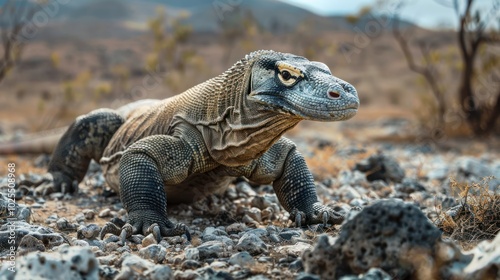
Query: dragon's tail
(37, 143)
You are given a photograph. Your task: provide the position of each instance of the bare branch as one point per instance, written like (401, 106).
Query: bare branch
(405, 48)
(14, 15)
(427, 71)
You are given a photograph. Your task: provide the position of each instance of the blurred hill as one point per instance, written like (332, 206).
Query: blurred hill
(104, 53)
(126, 18)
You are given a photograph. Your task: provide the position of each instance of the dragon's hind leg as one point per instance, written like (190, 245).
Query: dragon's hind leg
(84, 140)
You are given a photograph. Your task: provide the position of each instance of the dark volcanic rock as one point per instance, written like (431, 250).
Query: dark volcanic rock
(381, 167)
(385, 235)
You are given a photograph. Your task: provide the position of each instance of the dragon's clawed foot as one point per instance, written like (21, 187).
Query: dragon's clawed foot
(318, 214)
(51, 183)
(145, 222)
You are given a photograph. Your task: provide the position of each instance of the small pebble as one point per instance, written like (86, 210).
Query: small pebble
(105, 213)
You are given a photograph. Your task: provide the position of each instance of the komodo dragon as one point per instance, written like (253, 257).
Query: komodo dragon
(186, 147)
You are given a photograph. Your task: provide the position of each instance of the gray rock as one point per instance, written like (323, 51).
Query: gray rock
(15, 211)
(294, 250)
(409, 186)
(287, 234)
(160, 272)
(218, 264)
(244, 188)
(251, 243)
(89, 214)
(21, 228)
(56, 196)
(243, 259)
(438, 174)
(307, 276)
(79, 218)
(249, 220)
(190, 264)
(264, 259)
(29, 244)
(258, 277)
(108, 260)
(347, 193)
(381, 167)
(475, 170)
(90, 231)
(296, 265)
(470, 166)
(149, 240)
(273, 237)
(212, 249)
(153, 252)
(255, 214)
(231, 193)
(486, 260)
(36, 206)
(260, 232)
(187, 275)
(236, 228)
(107, 272)
(133, 267)
(351, 178)
(52, 219)
(496, 168)
(213, 231)
(437, 169)
(136, 263)
(122, 249)
(111, 246)
(72, 262)
(213, 234)
(64, 225)
(96, 243)
(358, 202)
(192, 254)
(262, 202)
(105, 213)
(373, 274)
(81, 243)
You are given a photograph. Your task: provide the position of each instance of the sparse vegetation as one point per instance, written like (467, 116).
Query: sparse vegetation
(171, 53)
(475, 34)
(479, 103)
(14, 16)
(239, 28)
(476, 218)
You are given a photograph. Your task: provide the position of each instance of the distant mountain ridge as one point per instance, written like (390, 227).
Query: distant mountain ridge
(127, 17)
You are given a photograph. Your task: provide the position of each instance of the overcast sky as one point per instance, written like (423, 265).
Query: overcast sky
(426, 13)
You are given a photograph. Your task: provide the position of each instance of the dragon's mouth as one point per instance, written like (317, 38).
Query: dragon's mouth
(344, 114)
(324, 112)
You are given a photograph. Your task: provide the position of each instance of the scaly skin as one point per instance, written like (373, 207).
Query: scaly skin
(183, 148)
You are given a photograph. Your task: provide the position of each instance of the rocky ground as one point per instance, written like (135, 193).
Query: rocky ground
(409, 221)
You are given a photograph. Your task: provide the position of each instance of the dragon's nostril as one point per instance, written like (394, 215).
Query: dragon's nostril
(333, 94)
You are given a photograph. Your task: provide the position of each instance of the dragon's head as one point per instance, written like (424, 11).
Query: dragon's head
(296, 86)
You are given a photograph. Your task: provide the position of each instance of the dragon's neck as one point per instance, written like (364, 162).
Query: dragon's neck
(235, 129)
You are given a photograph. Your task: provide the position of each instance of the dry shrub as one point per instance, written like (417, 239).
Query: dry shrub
(326, 163)
(322, 163)
(477, 217)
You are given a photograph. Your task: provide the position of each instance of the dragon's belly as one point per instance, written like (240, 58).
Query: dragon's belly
(194, 188)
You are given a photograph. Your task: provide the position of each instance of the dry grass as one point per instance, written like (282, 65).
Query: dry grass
(23, 164)
(326, 163)
(477, 218)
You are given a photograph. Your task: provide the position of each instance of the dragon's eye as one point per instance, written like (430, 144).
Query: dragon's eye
(286, 75)
(287, 78)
